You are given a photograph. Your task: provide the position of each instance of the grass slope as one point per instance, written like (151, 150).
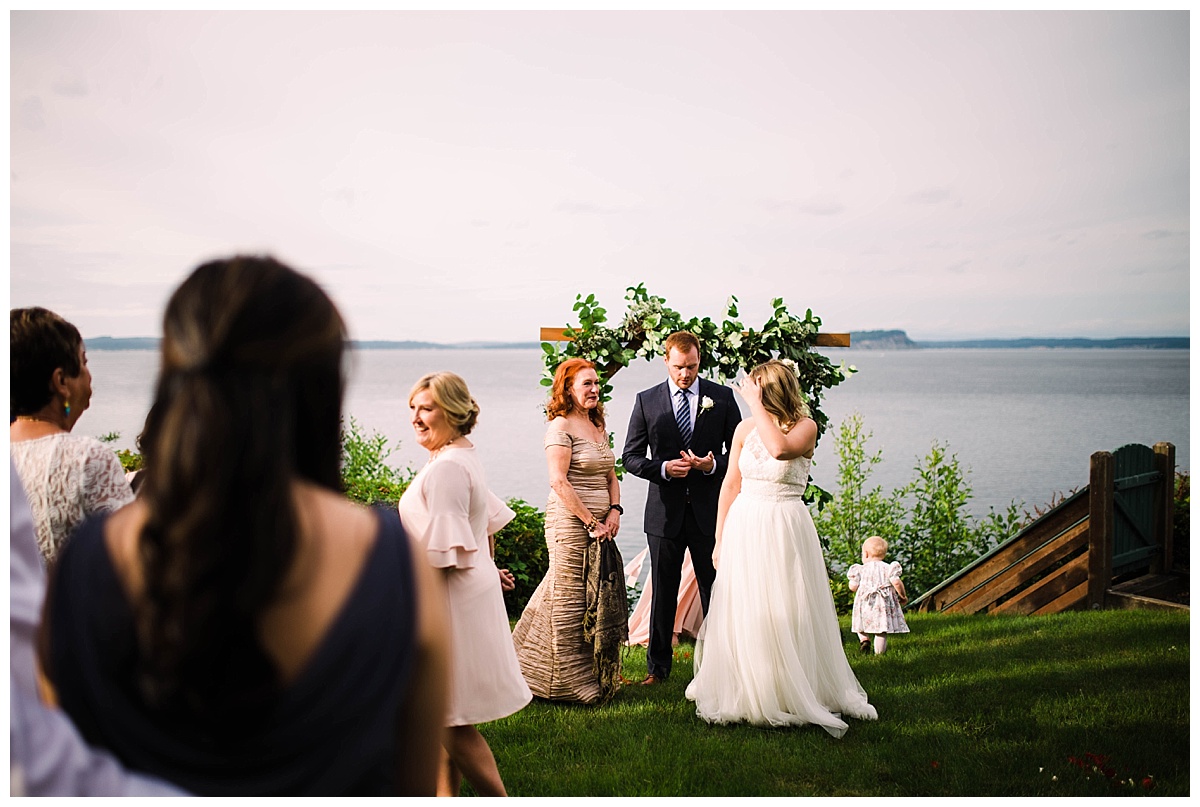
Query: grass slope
(968, 705)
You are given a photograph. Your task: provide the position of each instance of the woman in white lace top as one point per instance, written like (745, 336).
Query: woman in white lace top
(65, 476)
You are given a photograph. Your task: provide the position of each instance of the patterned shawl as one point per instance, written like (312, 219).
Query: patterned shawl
(606, 620)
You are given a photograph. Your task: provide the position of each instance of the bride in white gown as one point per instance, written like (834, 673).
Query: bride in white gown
(770, 651)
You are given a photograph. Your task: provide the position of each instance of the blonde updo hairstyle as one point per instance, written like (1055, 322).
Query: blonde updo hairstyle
(781, 395)
(451, 395)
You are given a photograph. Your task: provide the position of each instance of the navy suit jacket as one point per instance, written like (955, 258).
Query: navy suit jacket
(653, 431)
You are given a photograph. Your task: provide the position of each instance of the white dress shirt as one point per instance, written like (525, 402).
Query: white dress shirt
(693, 399)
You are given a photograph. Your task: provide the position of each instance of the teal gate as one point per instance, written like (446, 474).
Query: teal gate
(1134, 490)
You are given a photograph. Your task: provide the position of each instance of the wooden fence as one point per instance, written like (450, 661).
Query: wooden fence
(1109, 545)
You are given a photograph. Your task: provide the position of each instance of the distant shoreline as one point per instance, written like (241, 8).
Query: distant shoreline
(861, 340)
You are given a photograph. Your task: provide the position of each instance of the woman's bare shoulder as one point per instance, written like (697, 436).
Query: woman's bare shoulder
(335, 508)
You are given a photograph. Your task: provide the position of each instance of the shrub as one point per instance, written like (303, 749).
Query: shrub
(939, 536)
(925, 523)
(366, 476)
(520, 547)
(855, 512)
(130, 460)
(843, 597)
(1183, 524)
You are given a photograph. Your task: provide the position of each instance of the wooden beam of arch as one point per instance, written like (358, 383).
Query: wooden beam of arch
(823, 339)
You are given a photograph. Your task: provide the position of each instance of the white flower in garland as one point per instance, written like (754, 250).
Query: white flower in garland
(791, 365)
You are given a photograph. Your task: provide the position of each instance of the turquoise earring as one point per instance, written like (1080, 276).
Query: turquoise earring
(67, 408)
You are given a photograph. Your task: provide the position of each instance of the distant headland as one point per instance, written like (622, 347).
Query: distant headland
(898, 340)
(863, 340)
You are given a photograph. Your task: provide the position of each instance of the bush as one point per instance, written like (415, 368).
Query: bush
(855, 512)
(925, 523)
(1183, 524)
(843, 597)
(521, 548)
(130, 460)
(366, 476)
(939, 536)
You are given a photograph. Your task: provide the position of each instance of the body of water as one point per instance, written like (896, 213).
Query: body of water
(1024, 422)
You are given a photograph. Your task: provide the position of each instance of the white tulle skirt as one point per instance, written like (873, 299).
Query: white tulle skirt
(770, 651)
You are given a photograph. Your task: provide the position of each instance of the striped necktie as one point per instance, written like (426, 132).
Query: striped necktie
(683, 416)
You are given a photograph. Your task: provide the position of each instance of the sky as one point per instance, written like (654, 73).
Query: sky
(462, 176)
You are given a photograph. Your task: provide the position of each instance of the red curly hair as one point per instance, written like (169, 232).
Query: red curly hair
(561, 402)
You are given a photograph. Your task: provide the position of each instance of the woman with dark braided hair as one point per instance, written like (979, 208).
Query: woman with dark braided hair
(242, 628)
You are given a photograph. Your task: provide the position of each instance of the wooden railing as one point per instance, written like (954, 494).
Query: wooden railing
(1042, 569)
(1064, 559)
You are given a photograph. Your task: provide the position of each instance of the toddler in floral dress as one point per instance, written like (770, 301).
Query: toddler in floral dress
(878, 595)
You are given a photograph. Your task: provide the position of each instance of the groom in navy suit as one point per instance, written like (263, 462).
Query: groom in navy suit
(687, 429)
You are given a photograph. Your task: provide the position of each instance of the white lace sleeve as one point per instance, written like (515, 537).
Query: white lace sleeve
(104, 485)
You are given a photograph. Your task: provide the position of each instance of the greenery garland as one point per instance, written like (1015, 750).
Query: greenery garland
(726, 348)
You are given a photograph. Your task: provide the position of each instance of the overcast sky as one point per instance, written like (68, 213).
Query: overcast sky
(461, 176)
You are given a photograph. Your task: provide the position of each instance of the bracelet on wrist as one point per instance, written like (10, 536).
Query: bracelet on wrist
(593, 524)
(617, 507)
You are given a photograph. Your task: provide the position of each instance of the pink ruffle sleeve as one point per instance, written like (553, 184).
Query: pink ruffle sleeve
(449, 540)
(499, 514)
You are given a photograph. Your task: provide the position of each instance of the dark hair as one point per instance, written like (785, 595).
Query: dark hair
(39, 342)
(248, 401)
(561, 400)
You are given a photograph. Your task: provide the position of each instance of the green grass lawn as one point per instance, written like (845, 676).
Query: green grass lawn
(968, 706)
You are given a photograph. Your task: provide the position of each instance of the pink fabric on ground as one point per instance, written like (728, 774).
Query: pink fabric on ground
(688, 613)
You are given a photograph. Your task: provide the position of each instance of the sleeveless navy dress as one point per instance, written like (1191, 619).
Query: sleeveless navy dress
(332, 731)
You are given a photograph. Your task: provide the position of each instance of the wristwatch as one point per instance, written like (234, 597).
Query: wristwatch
(618, 508)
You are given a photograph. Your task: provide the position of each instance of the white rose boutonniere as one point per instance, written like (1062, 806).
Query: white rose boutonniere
(706, 403)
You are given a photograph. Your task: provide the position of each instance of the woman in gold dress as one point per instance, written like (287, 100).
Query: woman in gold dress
(569, 638)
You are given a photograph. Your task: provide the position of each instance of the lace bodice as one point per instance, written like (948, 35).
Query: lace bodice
(766, 477)
(67, 477)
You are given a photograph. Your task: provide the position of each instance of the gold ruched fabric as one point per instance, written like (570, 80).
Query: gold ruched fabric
(555, 659)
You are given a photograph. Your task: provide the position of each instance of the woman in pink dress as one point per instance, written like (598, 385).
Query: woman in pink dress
(448, 510)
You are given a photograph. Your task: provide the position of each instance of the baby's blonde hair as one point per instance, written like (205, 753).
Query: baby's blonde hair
(875, 546)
